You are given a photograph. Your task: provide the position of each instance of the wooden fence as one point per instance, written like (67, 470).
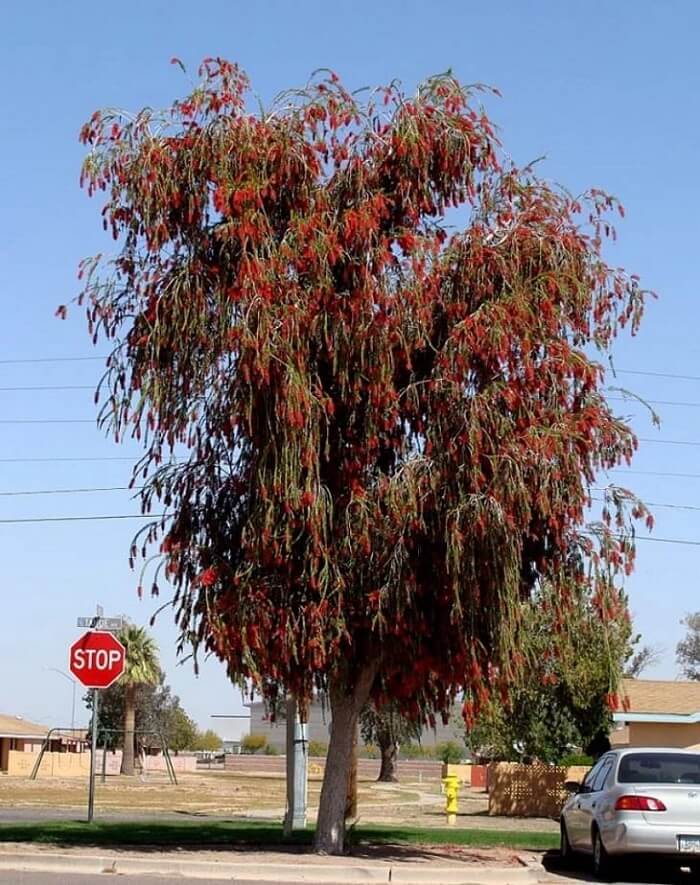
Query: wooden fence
(529, 790)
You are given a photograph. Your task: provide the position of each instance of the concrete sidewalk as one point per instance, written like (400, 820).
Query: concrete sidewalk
(425, 868)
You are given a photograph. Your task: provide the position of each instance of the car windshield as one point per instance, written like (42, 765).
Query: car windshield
(659, 768)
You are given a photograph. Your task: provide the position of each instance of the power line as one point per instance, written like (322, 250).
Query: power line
(654, 504)
(50, 387)
(640, 400)
(656, 374)
(669, 442)
(68, 491)
(83, 518)
(48, 420)
(657, 473)
(52, 359)
(55, 460)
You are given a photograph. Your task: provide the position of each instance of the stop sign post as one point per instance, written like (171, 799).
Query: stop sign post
(97, 660)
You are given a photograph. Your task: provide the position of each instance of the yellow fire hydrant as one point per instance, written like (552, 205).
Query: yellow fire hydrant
(451, 787)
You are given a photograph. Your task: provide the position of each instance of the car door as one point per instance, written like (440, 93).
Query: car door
(574, 816)
(589, 802)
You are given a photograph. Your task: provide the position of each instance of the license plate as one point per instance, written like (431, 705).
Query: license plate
(689, 844)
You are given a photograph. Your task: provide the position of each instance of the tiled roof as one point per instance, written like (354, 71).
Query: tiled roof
(16, 726)
(657, 696)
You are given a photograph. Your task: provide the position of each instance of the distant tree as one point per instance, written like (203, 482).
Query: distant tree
(208, 741)
(387, 426)
(688, 649)
(182, 731)
(387, 728)
(142, 668)
(253, 743)
(640, 660)
(158, 715)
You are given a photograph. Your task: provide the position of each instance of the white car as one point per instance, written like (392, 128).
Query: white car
(637, 801)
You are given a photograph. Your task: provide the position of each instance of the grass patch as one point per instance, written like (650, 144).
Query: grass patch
(225, 834)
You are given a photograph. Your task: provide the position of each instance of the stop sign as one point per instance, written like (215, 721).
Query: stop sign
(97, 659)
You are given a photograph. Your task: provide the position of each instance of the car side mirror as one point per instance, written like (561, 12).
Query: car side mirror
(574, 787)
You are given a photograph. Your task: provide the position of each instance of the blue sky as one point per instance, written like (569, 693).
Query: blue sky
(608, 92)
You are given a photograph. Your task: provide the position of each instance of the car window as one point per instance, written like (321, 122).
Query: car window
(599, 781)
(592, 774)
(659, 768)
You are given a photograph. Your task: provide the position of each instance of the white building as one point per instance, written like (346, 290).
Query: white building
(318, 726)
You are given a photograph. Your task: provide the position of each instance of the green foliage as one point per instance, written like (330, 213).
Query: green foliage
(450, 751)
(181, 731)
(253, 743)
(253, 834)
(567, 690)
(271, 750)
(387, 726)
(572, 759)
(142, 666)
(158, 712)
(416, 751)
(208, 741)
(318, 748)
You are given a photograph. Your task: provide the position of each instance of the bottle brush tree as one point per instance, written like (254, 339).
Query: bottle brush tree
(373, 432)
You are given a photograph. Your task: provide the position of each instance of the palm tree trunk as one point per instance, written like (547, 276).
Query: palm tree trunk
(129, 728)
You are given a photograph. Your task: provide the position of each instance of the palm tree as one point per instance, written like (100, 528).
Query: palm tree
(142, 668)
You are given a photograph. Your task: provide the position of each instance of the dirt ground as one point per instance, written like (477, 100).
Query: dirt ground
(229, 794)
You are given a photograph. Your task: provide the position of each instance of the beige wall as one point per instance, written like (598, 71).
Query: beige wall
(78, 764)
(657, 734)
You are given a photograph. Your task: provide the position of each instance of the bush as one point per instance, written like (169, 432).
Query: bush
(450, 752)
(270, 750)
(416, 751)
(318, 748)
(252, 743)
(576, 759)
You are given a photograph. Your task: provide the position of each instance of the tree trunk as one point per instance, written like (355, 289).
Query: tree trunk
(129, 728)
(387, 771)
(346, 703)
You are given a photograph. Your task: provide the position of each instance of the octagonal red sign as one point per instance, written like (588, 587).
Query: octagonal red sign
(97, 659)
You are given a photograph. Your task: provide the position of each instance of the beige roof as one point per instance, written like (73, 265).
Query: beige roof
(16, 726)
(658, 696)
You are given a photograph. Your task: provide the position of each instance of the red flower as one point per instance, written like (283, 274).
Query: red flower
(208, 577)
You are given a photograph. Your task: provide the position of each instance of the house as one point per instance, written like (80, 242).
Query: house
(659, 714)
(319, 723)
(17, 733)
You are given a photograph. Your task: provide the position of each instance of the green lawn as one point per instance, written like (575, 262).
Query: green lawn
(220, 834)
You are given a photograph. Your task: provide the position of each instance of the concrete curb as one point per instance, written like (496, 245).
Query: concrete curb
(331, 874)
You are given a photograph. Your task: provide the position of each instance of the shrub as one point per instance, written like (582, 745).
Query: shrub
(450, 751)
(252, 743)
(416, 751)
(318, 748)
(576, 759)
(271, 750)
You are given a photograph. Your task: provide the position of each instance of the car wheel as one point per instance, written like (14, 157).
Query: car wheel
(602, 864)
(565, 852)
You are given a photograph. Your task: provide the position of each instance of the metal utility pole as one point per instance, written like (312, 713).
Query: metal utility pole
(297, 770)
(93, 755)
